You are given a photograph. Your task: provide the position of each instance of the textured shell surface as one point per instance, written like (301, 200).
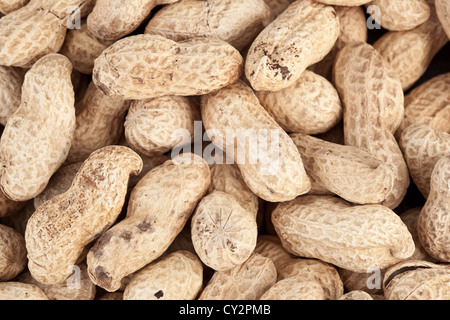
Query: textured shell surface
(13, 290)
(13, 253)
(295, 288)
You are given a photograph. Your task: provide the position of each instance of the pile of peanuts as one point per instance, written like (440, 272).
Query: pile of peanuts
(119, 179)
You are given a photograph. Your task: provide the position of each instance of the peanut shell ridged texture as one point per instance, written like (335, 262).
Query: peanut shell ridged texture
(434, 219)
(38, 136)
(417, 280)
(158, 209)
(227, 178)
(82, 48)
(11, 81)
(274, 175)
(223, 232)
(156, 126)
(270, 246)
(299, 37)
(422, 148)
(237, 22)
(8, 6)
(114, 19)
(278, 6)
(350, 237)
(349, 172)
(443, 13)
(316, 108)
(178, 276)
(317, 271)
(429, 104)
(410, 218)
(62, 227)
(373, 109)
(99, 123)
(402, 15)
(409, 61)
(78, 288)
(295, 288)
(13, 254)
(356, 295)
(162, 67)
(20, 291)
(248, 281)
(59, 183)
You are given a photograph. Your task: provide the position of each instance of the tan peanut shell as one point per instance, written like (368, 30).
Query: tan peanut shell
(344, 2)
(278, 6)
(402, 15)
(237, 22)
(114, 19)
(434, 219)
(62, 227)
(158, 208)
(77, 287)
(300, 36)
(410, 218)
(227, 178)
(274, 174)
(162, 67)
(422, 147)
(20, 291)
(149, 164)
(347, 171)
(410, 52)
(82, 48)
(316, 271)
(295, 288)
(270, 246)
(443, 14)
(350, 237)
(178, 276)
(428, 103)
(11, 81)
(356, 295)
(13, 254)
(223, 232)
(99, 123)
(156, 126)
(371, 116)
(316, 109)
(38, 136)
(248, 281)
(8, 6)
(417, 280)
(59, 183)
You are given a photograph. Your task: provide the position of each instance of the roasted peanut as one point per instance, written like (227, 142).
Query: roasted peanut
(158, 208)
(62, 227)
(13, 254)
(7, 6)
(443, 13)
(178, 276)
(38, 136)
(20, 291)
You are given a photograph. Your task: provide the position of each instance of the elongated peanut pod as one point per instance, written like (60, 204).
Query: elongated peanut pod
(62, 227)
(350, 237)
(13, 290)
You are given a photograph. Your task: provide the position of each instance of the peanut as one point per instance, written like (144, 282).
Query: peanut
(248, 281)
(156, 126)
(422, 148)
(114, 19)
(345, 2)
(223, 232)
(60, 229)
(350, 237)
(434, 221)
(235, 108)
(373, 110)
(158, 208)
(299, 37)
(163, 67)
(237, 22)
(295, 288)
(13, 254)
(11, 81)
(443, 13)
(20, 291)
(417, 280)
(316, 110)
(41, 129)
(8, 6)
(178, 276)
(349, 172)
